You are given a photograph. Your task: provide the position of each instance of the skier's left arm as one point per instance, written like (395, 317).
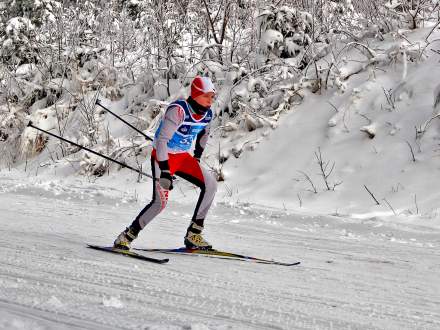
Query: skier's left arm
(202, 139)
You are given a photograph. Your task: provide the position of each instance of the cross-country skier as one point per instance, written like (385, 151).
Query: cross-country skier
(184, 122)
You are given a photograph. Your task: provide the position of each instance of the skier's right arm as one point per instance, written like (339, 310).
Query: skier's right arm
(173, 117)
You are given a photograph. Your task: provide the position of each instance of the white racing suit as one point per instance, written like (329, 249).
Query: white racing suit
(174, 138)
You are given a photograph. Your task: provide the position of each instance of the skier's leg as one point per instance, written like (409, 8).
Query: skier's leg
(193, 172)
(206, 197)
(157, 204)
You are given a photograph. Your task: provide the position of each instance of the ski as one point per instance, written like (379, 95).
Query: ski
(219, 254)
(127, 253)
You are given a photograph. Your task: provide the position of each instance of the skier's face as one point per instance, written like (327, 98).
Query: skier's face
(206, 99)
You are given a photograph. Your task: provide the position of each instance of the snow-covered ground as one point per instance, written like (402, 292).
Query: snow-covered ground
(354, 274)
(363, 265)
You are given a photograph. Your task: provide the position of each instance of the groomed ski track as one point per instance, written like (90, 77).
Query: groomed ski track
(353, 274)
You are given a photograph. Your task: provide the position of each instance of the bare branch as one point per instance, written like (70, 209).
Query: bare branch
(412, 151)
(310, 181)
(377, 202)
(389, 205)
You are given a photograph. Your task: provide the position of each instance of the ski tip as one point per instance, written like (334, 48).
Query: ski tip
(99, 247)
(278, 263)
(127, 253)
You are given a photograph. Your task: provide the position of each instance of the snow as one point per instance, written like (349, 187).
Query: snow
(112, 302)
(270, 38)
(337, 123)
(364, 265)
(17, 25)
(361, 272)
(25, 70)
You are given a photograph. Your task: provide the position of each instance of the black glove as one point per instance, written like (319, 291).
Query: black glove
(166, 180)
(198, 153)
(198, 150)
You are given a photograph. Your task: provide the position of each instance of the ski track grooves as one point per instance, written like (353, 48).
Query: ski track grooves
(368, 282)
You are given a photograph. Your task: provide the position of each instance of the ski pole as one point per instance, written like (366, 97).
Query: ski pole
(98, 102)
(89, 150)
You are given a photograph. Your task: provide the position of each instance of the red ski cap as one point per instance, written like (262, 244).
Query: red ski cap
(201, 85)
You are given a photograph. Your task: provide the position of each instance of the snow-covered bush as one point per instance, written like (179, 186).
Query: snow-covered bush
(411, 13)
(164, 25)
(20, 38)
(133, 7)
(286, 31)
(140, 54)
(11, 119)
(17, 46)
(37, 11)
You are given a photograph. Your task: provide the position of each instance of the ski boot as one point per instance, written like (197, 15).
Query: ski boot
(123, 241)
(194, 238)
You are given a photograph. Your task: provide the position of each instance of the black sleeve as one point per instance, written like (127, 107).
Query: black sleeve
(198, 150)
(164, 166)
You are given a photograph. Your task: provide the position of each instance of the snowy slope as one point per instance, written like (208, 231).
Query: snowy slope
(336, 124)
(354, 274)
